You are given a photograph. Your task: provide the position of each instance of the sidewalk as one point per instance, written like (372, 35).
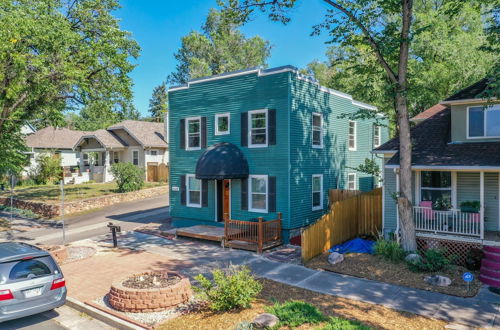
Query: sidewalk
(195, 257)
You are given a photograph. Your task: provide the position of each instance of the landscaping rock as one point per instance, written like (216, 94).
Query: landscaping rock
(335, 258)
(413, 258)
(265, 321)
(438, 280)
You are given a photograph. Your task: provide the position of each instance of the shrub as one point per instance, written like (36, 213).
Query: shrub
(48, 169)
(432, 261)
(231, 288)
(128, 176)
(295, 313)
(245, 326)
(337, 323)
(389, 250)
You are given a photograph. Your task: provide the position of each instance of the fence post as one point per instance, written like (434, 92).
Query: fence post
(226, 225)
(260, 235)
(279, 225)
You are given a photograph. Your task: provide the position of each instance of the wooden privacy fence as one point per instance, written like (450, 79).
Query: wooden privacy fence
(259, 233)
(157, 173)
(346, 219)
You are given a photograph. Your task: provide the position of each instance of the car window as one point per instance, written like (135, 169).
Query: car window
(24, 268)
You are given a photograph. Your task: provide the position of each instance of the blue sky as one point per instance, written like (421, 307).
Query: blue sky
(159, 25)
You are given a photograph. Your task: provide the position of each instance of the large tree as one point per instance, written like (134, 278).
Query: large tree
(158, 103)
(437, 67)
(57, 55)
(220, 47)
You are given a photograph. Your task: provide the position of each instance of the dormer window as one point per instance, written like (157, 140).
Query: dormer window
(483, 122)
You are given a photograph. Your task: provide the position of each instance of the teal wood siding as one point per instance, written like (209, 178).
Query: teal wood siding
(232, 95)
(390, 207)
(491, 201)
(333, 160)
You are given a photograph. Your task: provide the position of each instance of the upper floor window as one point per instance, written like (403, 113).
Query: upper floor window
(317, 130)
(352, 135)
(154, 152)
(193, 188)
(351, 181)
(258, 193)
(377, 141)
(257, 128)
(135, 157)
(222, 124)
(317, 192)
(193, 133)
(483, 121)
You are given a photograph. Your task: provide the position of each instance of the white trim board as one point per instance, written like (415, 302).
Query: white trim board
(444, 167)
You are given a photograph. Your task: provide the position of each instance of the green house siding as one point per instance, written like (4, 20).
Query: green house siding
(459, 124)
(292, 160)
(390, 207)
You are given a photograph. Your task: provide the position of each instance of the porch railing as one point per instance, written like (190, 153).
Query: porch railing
(451, 221)
(257, 232)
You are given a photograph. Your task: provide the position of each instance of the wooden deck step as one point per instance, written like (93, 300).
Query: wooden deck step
(251, 246)
(209, 233)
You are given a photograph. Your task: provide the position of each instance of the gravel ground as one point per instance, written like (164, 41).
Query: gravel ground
(153, 318)
(79, 252)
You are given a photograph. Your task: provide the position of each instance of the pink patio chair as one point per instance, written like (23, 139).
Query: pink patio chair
(428, 212)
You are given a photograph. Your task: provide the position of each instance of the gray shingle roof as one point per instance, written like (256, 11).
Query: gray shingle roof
(146, 133)
(53, 138)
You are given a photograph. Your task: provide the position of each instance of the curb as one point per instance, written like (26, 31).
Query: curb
(101, 315)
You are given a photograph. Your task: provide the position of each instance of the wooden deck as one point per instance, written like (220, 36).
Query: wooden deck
(209, 233)
(251, 246)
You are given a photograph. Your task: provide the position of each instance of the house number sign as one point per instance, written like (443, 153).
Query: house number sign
(175, 188)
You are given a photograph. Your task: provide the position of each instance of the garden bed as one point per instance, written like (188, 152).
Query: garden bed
(375, 268)
(373, 316)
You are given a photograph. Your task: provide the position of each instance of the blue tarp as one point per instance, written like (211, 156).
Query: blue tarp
(357, 245)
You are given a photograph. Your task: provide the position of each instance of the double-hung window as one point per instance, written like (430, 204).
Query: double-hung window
(153, 152)
(376, 136)
(193, 189)
(257, 128)
(351, 181)
(222, 124)
(352, 135)
(435, 186)
(86, 159)
(193, 133)
(135, 157)
(317, 130)
(257, 194)
(317, 192)
(483, 122)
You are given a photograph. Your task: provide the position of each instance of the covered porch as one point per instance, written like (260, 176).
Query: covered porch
(457, 202)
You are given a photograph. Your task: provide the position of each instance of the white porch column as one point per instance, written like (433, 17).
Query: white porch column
(481, 201)
(106, 166)
(417, 188)
(454, 190)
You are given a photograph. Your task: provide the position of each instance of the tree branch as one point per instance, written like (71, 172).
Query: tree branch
(373, 44)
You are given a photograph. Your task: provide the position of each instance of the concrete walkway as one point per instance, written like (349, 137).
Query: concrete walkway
(197, 257)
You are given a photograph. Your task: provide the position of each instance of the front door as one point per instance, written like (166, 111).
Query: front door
(223, 199)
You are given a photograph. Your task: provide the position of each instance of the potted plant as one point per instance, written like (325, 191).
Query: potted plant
(470, 206)
(441, 204)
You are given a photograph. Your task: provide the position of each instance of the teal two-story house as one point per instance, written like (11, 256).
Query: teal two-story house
(256, 142)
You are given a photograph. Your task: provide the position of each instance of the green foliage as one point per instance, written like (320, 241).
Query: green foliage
(19, 212)
(389, 250)
(472, 205)
(442, 204)
(58, 55)
(245, 326)
(128, 176)
(295, 313)
(432, 261)
(230, 288)
(337, 323)
(48, 169)
(158, 103)
(220, 47)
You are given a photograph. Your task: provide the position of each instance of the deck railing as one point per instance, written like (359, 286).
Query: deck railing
(451, 221)
(258, 232)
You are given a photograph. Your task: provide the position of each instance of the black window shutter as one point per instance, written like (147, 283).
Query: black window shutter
(183, 190)
(204, 193)
(272, 194)
(271, 126)
(244, 129)
(244, 194)
(203, 132)
(182, 131)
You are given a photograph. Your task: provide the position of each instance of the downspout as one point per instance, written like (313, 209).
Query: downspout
(289, 113)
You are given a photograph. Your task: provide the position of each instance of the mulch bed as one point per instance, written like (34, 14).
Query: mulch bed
(374, 316)
(148, 281)
(374, 268)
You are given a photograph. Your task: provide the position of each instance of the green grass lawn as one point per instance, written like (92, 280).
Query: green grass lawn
(52, 193)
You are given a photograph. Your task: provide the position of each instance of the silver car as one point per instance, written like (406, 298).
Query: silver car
(31, 282)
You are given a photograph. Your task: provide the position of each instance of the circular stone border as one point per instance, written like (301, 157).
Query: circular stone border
(149, 300)
(58, 252)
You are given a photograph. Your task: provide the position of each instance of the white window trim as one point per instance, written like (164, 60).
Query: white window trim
(320, 206)
(320, 146)
(219, 115)
(188, 202)
(138, 157)
(249, 128)
(497, 106)
(452, 188)
(250, 208)
(186, 132)
(355, 135)
(355, 181)
(377, 129)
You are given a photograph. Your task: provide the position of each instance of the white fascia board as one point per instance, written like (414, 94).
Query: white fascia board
(468, 101)
(388, 152)
(451, 168)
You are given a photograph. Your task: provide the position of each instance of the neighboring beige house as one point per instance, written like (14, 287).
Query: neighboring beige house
(88, 155)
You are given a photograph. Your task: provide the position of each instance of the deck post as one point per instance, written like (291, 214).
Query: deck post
(260, 235)
(226, 225)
